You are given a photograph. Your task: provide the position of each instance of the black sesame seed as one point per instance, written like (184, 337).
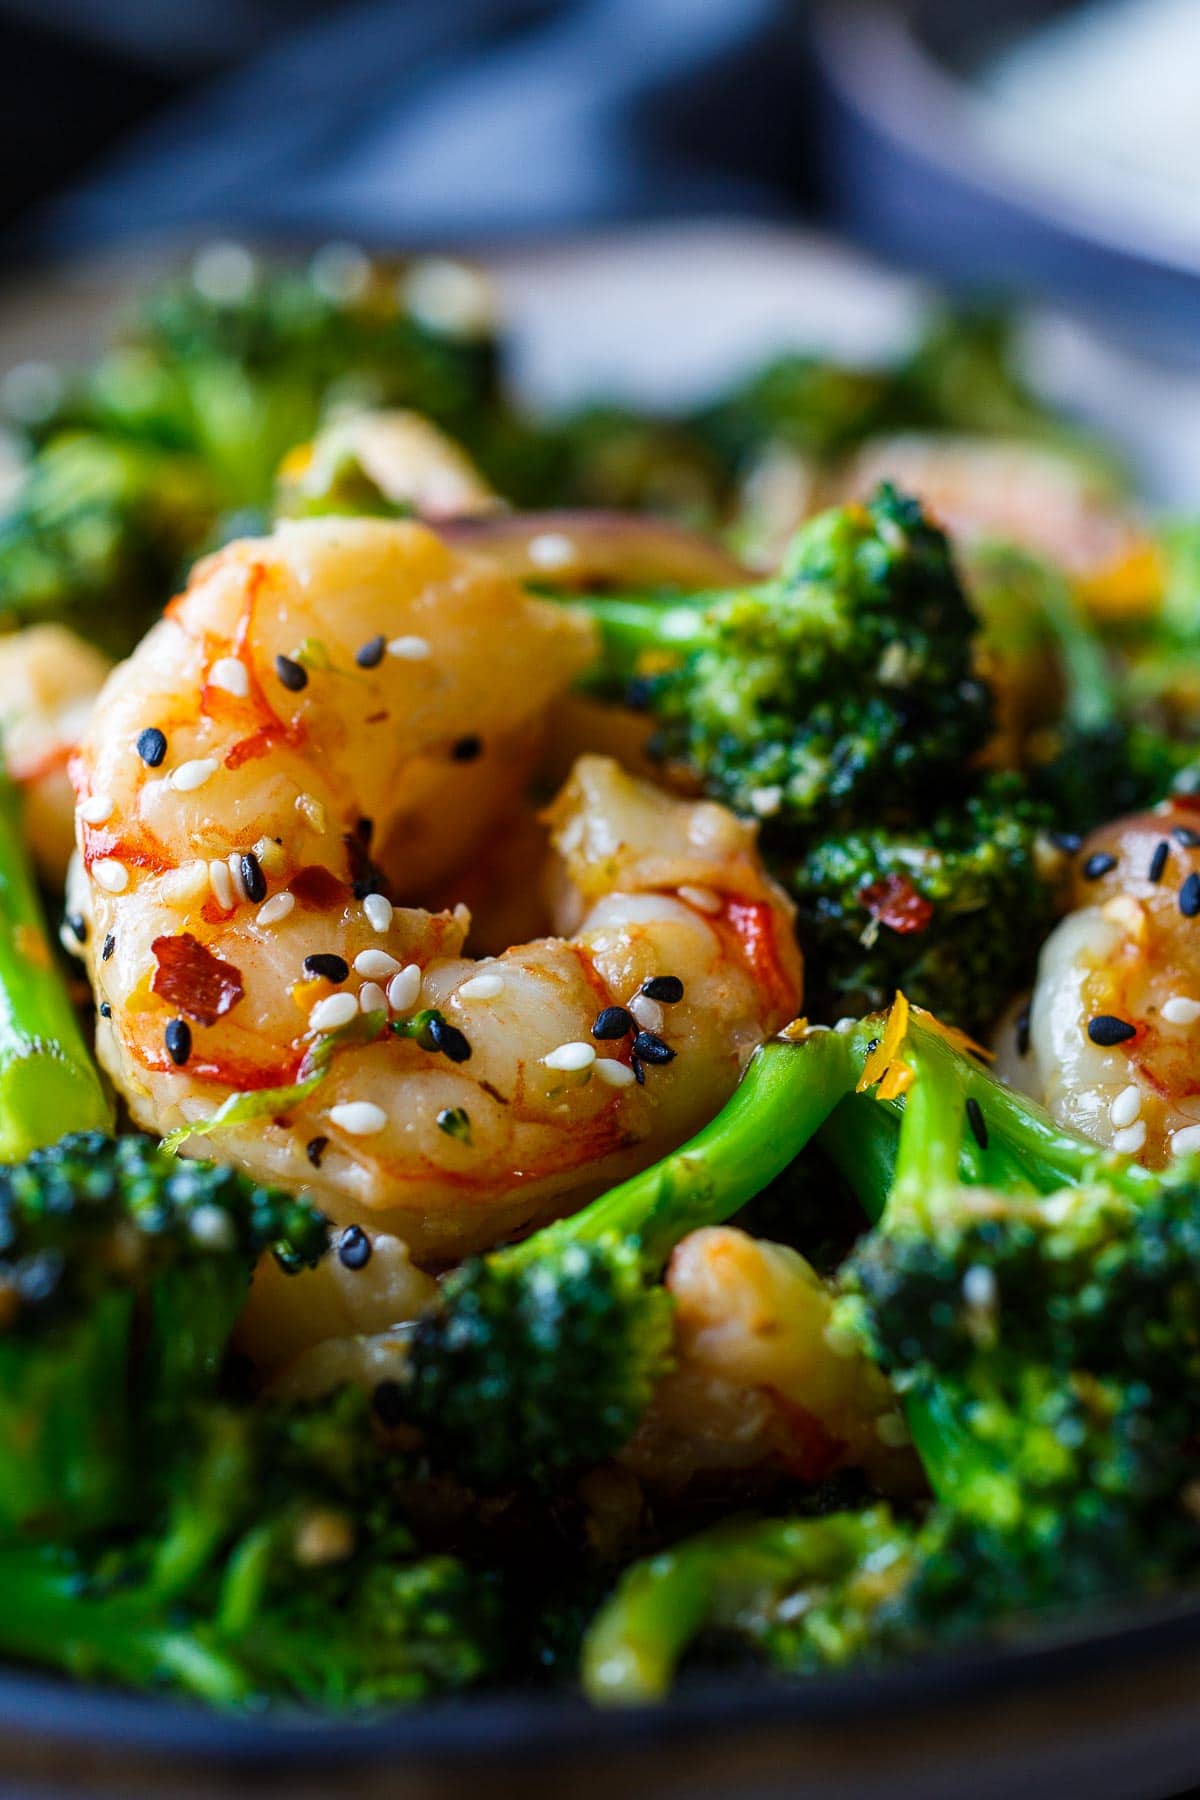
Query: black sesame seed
(466, 749)
(1158, 861)
(455, 1122)
(388, 1401)
(1189, 896)
(1023, 1031)
(325, 963)
(77, 926)
(449, 1040)
(354, 1248)
(1183, 834)
(1098, 864)
(110, 944)
(253, 879)
(151, 746)
(105, 1010)
(292, 674)
(315, 1150)
(651, 1049)
(639, 1070)
(178, 1039)
(667, 988)
(370, 654)
(612, 1022)
(977, 1122)
(1067, 841)
(1106, 1030)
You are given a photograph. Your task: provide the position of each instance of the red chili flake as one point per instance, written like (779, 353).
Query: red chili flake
(895, 902)
(317, 889)
(194, 981)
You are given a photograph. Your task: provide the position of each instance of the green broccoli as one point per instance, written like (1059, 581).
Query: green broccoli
(277, 1565)
(542, 1357)
(1036, 1303)
(98, 535)
(1102, 758)
(845, 682)
(916, 906)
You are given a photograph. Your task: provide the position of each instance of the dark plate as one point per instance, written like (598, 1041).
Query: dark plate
(911, 172)
(1106, 1711)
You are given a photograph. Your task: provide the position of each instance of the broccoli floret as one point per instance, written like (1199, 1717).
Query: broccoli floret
(98, 534)
(122, 1272)
(542, 1357)
(278, 1565)
(844, 682)
(1036, 1304)
(918, 906)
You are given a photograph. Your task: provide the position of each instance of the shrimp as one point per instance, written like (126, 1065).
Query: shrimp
(239, 922)
(399, 459)
(761, 1382)
(49, 680)
(1110, 1043)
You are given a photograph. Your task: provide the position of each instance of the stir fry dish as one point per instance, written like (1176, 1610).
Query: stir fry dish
(598, 1059)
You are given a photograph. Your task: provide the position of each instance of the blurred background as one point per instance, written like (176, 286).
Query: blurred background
(1048, 152)
(1050, 147)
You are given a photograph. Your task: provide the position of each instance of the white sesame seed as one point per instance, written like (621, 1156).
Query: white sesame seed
(371, 998)
(331, 1012)
(212, 1227)
(404, 989)
(845, 1026)
(480, 987)
(191, 775)
(111, 875)
(311, 811)
(614, 1074)
(378, 909)
(361, 1118)
(221, 883)
(702, 898)
(96, 809)
(187, 885)
(1186, 1141)
(408, 649)
(766, 801)
(551, 550)
(648, 1013)
(70, 943)
(276, 908)
(1131, 1140)
(1179, 1010)
(1126, 1107)
(891, 1430)
(234, 864)
(231, 675)
(571, 1058)
(377, 964)
(979, 1286)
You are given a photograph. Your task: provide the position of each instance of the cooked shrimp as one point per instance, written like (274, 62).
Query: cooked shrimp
(761, 1382)
(1111, 1042)
(1025, 494)
(49, 679)
(234, 891)
(402, 456)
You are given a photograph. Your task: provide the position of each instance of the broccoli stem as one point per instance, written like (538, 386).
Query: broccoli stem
(724, 1579)
(52, 1616)
(789, 1088)
(48, 1082)
(632, 629)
